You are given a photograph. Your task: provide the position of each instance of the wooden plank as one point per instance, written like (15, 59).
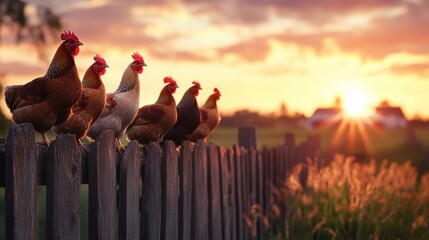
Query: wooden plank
(245, 191)
(129, 192)
(238, 193)
(200, 213)
(185, 197)
(170, 188)
(151, 199)
(260, 193)
(63, 189)
(225, 186)
(102, 187)
(233, 193)
(215, 211)
(21, 184)
(248, 137)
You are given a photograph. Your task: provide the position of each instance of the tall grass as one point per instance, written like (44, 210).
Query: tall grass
(350, 200)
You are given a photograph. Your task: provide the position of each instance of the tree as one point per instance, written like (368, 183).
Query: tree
(283, 110)
(29, 23)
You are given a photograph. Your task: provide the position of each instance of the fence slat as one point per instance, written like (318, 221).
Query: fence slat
(215, 211)
(170, 177)
(63, 189)
(102, 188)
(185, 198)
(225, 184)
(151, 199)
(129, 192)
(200, 194)
(238, 192)
(233, 193)
(248, 137)
(21, 183)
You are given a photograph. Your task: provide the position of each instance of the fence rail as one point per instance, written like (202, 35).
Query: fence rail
(199, 191)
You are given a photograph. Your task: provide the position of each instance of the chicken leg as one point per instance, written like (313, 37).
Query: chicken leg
(45, 139)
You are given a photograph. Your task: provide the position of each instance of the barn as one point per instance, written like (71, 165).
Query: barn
(325, 117)
(389, 117)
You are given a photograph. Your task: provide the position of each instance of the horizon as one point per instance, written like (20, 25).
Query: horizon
(257, 57)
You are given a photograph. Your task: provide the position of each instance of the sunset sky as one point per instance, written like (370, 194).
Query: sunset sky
(258, 53)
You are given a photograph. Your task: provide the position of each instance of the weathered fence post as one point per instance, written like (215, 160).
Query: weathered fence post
(102, 187)
(233, 194)
(238, 181)
(248, 137)
(152, 196)
(215, 211)
(63, 189)
(170, 185)
(21, 183)
(185, 198)
(129, 192)
(225, 194)
(199, 193)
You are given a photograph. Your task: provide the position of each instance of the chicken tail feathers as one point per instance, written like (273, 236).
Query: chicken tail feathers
(10, 94)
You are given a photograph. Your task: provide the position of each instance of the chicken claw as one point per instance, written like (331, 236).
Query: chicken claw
(45, 139)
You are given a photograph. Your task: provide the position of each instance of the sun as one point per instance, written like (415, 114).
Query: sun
(355, 104)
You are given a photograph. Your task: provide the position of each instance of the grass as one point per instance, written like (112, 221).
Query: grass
(350, 200)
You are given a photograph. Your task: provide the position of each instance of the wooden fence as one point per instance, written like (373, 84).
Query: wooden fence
(201, 191)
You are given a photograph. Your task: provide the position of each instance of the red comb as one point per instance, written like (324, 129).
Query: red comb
(99, 59)
(169, 79)
(196, 84)
(216, 91)
(136, 56)
(66, 35)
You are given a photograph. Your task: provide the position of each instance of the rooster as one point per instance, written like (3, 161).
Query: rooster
(90, 105)
(210, 118)
(188, 116)
(47, 100)
(153, 121)
(121, 105)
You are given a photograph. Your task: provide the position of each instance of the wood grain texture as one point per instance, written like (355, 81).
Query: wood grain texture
(129, 192)
(225, 193)
(170, 190)
(21, 183)
(215, 211)
(233, 193)
(200, 213)
(151, 199)
(102, 187)
(238, 192)
(63, 189)
(185, 190)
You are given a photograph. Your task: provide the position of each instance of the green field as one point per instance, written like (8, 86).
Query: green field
(381, 144)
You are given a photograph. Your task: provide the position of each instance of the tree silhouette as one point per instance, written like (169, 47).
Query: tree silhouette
(28, 22)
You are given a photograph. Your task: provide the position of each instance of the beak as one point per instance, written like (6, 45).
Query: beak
(144, 64)
(106, 66)
(79, 44)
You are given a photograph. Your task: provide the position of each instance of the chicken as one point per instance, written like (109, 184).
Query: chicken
(210, 118)
(121, 105)
(188, 116)
(90, 105)
(47, 100)
(155, 120)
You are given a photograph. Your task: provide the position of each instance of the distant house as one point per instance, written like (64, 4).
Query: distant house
(325, 117)
(389, 117)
